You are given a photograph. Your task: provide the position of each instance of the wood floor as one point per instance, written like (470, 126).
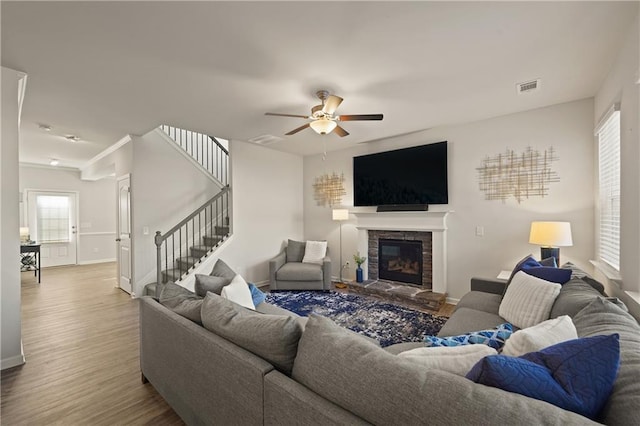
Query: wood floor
(81, 341)
(80, 335)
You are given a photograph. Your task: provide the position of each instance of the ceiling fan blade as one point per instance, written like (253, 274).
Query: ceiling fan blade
(294, 131)
(331, 104)
(341, 132)
(360, 117)
(286, 115)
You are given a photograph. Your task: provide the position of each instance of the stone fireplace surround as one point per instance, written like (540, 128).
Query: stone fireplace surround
(433, 222)
(423, 236)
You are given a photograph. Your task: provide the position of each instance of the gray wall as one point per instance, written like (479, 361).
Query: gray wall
(568, 128)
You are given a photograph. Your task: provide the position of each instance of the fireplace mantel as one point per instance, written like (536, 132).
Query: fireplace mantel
(432, 221)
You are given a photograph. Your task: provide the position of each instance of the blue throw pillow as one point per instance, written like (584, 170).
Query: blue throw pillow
(554, 275)
(528, 261)
(256, 294)
(494, 338)
(576, 375)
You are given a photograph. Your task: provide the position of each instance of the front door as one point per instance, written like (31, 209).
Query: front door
(124, 233)
(52, 223)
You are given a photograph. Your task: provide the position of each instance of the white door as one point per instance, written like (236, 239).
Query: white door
(124, 233)
(52, 223)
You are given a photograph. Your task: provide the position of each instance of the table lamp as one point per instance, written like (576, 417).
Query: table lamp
(24, 235)
(340, 215)
(550, 236)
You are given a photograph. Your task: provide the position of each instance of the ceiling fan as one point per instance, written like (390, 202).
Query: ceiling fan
(324, 120)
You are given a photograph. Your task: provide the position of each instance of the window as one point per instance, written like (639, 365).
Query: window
(53, 218)
(609, 188)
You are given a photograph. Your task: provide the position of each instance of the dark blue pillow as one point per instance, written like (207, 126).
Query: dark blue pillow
(554, 275)
(576, 375)
(528, 261)
(256, 294)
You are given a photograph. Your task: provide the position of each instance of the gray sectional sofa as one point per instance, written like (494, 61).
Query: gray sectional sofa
(339, 377)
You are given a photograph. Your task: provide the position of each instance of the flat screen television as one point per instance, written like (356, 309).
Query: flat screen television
(416, 175)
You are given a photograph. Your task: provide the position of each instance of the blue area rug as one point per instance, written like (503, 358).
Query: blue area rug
(385, 322)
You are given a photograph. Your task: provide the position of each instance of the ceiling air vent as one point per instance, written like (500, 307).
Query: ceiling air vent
(265, 139)
(528, 86)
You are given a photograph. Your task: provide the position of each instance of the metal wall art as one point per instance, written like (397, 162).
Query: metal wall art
(329, 189)
(518, 175)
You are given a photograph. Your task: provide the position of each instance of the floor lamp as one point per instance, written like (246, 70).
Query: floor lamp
(340, 215)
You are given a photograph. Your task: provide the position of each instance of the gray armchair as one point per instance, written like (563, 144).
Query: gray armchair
(287, 272)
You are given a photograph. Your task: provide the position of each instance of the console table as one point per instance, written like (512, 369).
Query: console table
(30, 259)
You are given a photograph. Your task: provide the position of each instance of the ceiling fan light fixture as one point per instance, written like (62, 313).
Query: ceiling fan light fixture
(323, 126)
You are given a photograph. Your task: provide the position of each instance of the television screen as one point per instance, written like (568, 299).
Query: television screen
(416, 175)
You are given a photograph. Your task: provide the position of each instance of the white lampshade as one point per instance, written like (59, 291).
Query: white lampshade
(24, 231)
(340, 214)
(551, 234)
(323, 126)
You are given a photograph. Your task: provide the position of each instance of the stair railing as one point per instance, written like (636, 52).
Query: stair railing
(206, 150)
(205, 229)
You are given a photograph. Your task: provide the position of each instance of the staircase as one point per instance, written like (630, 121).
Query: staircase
(198, 235)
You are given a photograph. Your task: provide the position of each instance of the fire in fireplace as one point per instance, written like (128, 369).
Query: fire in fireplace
(400, 260)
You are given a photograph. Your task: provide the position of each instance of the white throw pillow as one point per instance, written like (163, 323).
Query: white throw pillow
(238, 292)
(314, 252)
(528, 300)
(454, 359)
(540, 336)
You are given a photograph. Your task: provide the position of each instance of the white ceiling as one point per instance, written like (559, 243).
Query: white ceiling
(101, 70)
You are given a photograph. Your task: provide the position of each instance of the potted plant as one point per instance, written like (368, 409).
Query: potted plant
(359, 261)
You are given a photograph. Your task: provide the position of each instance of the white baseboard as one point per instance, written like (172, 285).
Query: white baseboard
(13, 361)
(91, 262)
(452, 301)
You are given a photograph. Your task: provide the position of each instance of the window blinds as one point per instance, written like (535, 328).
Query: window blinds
(609, 188)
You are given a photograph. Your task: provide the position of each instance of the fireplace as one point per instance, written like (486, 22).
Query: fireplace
(392, 256)
(400, 260)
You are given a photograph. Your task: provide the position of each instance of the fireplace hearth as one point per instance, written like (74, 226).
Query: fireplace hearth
(400, 260)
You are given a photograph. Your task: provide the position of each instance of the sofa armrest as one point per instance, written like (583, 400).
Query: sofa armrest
(275, 264)
(326, 273)
(488, 285)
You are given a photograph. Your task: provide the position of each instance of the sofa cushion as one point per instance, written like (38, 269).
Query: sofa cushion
(269, 309)
(398, 348)
(297, 271)
(545, 334)
(576, 375)
(528, 300)
(597, 285)
(238, 292)
(366, 380)
(575, 271)
(272, 337)
(465, 320)
(295, 250)
(181, 301)
(205, 283)
(494, 337)
(314, 252)
(481, 301)
(603, 317)
(573, 297)
(457, 359)
(221, 269)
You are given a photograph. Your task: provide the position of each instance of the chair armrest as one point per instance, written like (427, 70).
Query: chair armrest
(488, 285)
(326, 273)
(275, 264)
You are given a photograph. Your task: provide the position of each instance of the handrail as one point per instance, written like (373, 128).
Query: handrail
(192, 215)
(200, 232)
(219, 144)
(204, 149)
